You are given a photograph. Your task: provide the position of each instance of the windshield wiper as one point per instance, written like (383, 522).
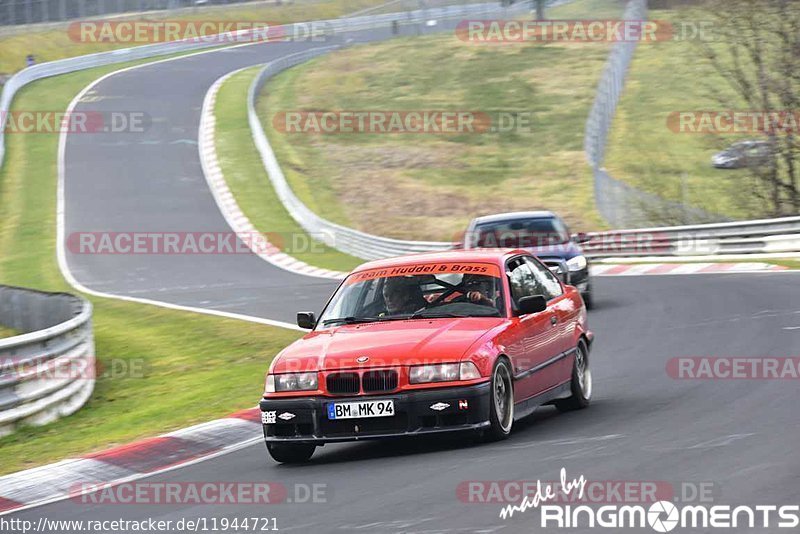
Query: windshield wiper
(350, 320)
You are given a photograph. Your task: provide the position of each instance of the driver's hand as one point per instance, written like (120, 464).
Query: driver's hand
(475, 296)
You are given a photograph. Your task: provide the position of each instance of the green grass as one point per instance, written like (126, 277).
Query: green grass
(7, 332)
(667, 77)
(588, 10)
(245, 175)
(422, 186)
(49, 45)
(791, 264)
(197, 367)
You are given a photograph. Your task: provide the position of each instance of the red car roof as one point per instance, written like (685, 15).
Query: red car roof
(487, 255)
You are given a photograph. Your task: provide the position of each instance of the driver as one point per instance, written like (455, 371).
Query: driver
(402, 295)
(475, 289)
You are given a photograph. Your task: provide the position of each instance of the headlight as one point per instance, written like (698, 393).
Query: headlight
(577, 263)
(291, 382)
(446, 372)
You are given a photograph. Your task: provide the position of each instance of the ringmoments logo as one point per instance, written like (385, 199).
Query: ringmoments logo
(661, 516)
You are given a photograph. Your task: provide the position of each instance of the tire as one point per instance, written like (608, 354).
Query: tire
(581, 384)
(291, 453)
(501, 402)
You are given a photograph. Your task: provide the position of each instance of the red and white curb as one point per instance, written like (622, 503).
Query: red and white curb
(680, 268)
(236, 219)
(58, 481)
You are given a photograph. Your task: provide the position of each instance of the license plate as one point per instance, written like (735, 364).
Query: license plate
(359, 410)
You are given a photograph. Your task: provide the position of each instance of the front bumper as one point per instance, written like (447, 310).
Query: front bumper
(467, 409)
(580, 279)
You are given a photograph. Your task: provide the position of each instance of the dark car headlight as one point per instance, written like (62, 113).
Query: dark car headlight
(578, 263)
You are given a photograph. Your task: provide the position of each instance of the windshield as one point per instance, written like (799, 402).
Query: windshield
(521, 233)
(417, 292)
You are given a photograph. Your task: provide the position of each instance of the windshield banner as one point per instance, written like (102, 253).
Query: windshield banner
(486, 269)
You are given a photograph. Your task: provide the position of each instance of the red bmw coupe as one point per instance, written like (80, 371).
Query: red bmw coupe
(441, 342)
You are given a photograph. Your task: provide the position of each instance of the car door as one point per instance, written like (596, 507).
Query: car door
(565, 314)
(534, 344)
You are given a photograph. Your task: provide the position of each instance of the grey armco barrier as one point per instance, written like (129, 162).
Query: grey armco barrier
(348, 240)
(46, 372)
(780, 237)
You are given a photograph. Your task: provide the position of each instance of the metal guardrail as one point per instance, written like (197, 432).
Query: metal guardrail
(348, 240)
(767, 236)
(48, 371)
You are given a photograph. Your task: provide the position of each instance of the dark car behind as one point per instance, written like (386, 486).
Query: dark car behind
(543, 234)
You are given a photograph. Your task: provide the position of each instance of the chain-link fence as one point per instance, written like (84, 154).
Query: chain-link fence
(621, 204)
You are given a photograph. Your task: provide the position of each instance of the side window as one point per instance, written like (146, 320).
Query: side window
(546, 279)
(522, 281)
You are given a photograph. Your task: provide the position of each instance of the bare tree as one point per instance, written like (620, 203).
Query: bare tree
(756, 49)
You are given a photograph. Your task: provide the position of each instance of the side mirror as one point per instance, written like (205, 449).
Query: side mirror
(534, 304)
(581, 237)
(306, 320)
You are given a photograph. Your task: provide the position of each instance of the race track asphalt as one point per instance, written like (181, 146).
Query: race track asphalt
(152, 181)
(740, 436)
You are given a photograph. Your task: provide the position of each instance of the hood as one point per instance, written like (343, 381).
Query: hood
(565, 251)
(386, 344)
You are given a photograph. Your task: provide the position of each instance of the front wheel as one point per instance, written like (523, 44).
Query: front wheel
(291, 453)
(581, 384)
(501, 405)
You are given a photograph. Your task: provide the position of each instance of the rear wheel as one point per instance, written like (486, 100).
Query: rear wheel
(581, 384)
(291, 453)
(501, 405)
